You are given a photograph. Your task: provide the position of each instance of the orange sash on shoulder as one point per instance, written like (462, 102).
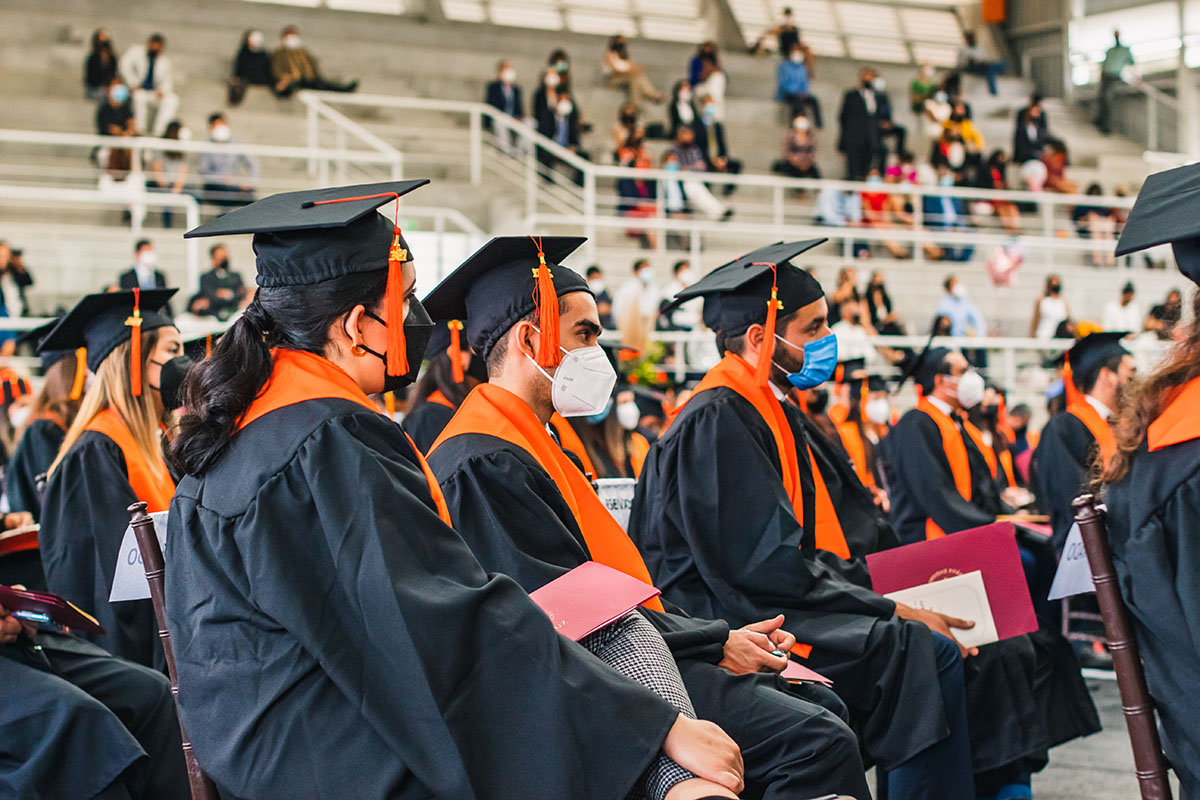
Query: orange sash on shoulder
(1179, 422)
(956, 453)
(299, 376)
(1101, 432)
(732, 372)
(153, 486)
(493, 411)
(639, 448)
(439, 398)
(852, 440)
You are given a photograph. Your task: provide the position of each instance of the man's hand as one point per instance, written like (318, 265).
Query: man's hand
(17, 519)
(750, 649)
(939, 623)
(12, 627)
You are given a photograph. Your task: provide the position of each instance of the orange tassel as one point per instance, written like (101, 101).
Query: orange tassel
(389, 403)
(762, 370)
(455, 350)
(135, 345)
(207, 345)
(397, 357)
(1073, 394)
(546, 298)
(80, 373)
(864, 395)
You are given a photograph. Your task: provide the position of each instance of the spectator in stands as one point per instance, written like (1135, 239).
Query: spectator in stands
(1005, 210)
(114, 117)
(786, 33)
(973, 61)
(1033, 176)
(710, 138)
(878, 212)
(556, 78)
(879, 306)
(674, 198)
(839, 208)
(963, 130)
(852, 331)
(799, 150)
(1055, 157)
(1050, 310)
(1117, 59)
(938, 109)
(943, 212)
(949, 150)
(167, 170)
(923, 87)
(628, 128)
(595, 282)
(712, 84)
(691, 159)
(1164, 317)
(963, 315)
(941, 325)
(792, 83)
(147, 72)
(844, 291)
(222, 291)
(144, 274)
(252, 67)
(1098, 223)
(860, 118)
(294, 67)
(561, 124)
(1124, 314)
(638, 195)
(696, 62)
(622, 72)
(888, 129)
(1030, 135)
(635, 305)
(687, 316)
(100, 66)
(229, 178)
(682, 110)
(14, 280)
(503, 94)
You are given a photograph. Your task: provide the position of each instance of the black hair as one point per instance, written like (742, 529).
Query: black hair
(680, 264)
(158, 38)
(639, 263)
(737, 344)
(593, 270)
(220, 389)
(946, 283)
(213, 117)
(439, 377)
(499, 352)
(1086, 381)
(139, 244)
(943, 368)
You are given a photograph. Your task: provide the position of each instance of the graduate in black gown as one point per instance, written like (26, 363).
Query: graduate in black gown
(334, 636)
(54, 410)
(1061, 467)
(111, 457)
(716, 516)
(529, 512)
(1152, 487)
(441, 389)
(75, 722)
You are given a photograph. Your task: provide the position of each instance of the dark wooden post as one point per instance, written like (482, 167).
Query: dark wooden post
(1138, 707)
(152, 560)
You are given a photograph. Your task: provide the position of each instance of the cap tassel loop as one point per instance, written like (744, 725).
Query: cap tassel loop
(454, 351)
(389, 403)
(762, 370)
(1073, 395)
(80, 373)
(544, 295)
(135, 345)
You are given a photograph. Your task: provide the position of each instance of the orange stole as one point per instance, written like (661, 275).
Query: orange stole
(439, 398)
(571, 442)
(852, 440)
(639, 448)
(1090, 417)
(299, 376)
(152, 486)
(493, 411)
(734, 373)
(956, 453)
(1178, 423)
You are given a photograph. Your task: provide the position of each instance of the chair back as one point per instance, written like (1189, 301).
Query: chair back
(1138, 707)
(152, 560)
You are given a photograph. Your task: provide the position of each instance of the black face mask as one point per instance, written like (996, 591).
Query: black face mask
(223, 264)
(418, 328)
(170, 384)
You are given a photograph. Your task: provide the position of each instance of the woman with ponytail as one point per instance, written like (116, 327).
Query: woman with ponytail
(333, 635)
(111, 456)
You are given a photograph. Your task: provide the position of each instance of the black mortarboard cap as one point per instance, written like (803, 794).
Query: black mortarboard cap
(98, 322)
(34, 338)
(1165, 212)
(875, 383)
(1093, 351)
(498, 284)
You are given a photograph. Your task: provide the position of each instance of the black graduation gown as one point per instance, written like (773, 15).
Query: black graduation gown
(357, 647)
(35, 453)
(1060, 470)
(1152, 517)
(719, 535)
(75, 720)
(512, 515)
(84, 518)
(425, 423)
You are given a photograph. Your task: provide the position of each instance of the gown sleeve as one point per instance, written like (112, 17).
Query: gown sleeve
(34, 455)
(457, 671)
(516, 521)
(84, 518)
(1061, 471)
(425, 424)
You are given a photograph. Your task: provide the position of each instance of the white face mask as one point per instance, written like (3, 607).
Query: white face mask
(687, 277)
(796, 56)
(291, 42)
(628, 415)
(971, 389)
(800, 123)
(20, 415)
(879, 84)
(221, 133)
(583, 382)
(565, 108)
(596, 285)
(685, 95)
(959, 290)
(148, 259)
(255, 40)
(552, 79)
(878, 411)
(508, 75)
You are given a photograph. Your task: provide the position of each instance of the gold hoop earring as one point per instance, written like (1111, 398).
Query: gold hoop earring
(358, 351)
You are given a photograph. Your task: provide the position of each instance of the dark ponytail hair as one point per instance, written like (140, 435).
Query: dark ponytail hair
(439, 377)
(220, 389)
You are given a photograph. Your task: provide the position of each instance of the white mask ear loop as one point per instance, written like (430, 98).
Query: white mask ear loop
(533, 360)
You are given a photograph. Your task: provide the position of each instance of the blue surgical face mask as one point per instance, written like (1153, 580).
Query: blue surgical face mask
(120, 93)
(820, 359)
(596, 419)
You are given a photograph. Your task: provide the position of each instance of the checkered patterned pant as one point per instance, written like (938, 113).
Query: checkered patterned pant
(634, 648)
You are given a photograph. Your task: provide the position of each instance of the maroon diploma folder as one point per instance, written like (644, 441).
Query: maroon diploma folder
(589, 597)
(46, 607)
(991, 550)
